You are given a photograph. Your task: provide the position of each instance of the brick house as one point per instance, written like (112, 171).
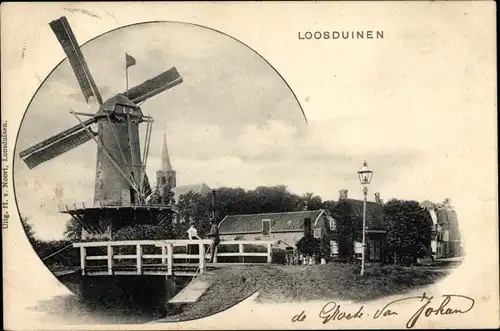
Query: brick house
(286, 227)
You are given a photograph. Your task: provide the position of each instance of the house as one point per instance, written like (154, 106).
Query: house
(446, 240)
(286, 227)
(375, 226)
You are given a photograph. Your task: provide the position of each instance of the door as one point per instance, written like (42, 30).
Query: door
(378, 248)
(375, 248)
(371, 247)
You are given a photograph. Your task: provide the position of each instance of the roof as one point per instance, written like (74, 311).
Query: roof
(201, 188)
(280, 222)
(433, 214)
(374, 213)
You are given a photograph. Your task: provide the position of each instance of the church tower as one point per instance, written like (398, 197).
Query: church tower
(166, 174)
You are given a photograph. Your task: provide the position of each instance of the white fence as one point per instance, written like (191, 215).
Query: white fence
(241, 252)
(140, 259)
(141, 263)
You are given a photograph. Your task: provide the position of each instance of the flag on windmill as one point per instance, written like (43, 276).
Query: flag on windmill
(129, 60)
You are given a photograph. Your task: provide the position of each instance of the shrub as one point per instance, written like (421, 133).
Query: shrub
(278, 256)
(68, 256)
(308, 245)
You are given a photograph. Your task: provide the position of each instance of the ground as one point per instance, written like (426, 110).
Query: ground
(277, 283)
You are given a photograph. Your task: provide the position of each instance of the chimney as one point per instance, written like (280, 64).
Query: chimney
(343, 195)
(377, 198)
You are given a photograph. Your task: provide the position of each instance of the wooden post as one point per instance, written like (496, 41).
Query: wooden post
(163, 253)
(215, 255)
(170, 259)
(240, 250)
(139, 258)
(110, 259)
(83, 257)
(202, 258)
(269, 250)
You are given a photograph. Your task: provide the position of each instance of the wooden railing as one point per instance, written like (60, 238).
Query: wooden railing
(141, 263)
(167, 256)
(241, 252)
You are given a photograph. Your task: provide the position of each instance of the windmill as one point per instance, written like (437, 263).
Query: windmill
(121, 183)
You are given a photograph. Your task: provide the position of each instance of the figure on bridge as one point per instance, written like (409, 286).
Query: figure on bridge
(192, 232)
(214, 235)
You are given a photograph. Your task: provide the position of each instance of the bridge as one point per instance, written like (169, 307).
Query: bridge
(163, 257)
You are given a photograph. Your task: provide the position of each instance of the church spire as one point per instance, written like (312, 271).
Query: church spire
(165, 158)
(165, 176)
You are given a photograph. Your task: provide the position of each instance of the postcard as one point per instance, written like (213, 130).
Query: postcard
(253, 165)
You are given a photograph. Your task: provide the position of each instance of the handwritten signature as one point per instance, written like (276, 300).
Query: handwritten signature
(450, 304)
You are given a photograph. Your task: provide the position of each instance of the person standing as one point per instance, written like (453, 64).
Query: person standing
(214, 229)
(214, 235)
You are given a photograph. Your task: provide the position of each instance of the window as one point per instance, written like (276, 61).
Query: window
(317, 233)
(266, 227)
(332, 224)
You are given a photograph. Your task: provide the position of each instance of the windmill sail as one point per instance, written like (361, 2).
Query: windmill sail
(155, 85)
(70, 46)
(58, 144)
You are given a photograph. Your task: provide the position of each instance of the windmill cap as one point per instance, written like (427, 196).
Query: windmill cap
(116, 103)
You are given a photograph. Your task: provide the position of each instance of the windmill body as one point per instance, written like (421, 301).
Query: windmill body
(118, 130)
(121, 183)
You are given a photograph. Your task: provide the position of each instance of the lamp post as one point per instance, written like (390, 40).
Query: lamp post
(365, 177)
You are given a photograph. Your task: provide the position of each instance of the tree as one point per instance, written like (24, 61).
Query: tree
(313, 202)
(445, 204)
(144, 232)
(325, 249)
(28, 229)
(193, 208)
(167, 196)
(263, 199)
(409, 230)
(328, 205)
(349, 228)
(73, 230)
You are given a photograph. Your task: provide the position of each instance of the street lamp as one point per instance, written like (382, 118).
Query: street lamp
(365, 177)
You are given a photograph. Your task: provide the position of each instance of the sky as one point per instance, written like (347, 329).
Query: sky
(234, 121)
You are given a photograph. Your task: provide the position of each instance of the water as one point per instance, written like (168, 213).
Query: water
(70, 309)
(113, 301)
